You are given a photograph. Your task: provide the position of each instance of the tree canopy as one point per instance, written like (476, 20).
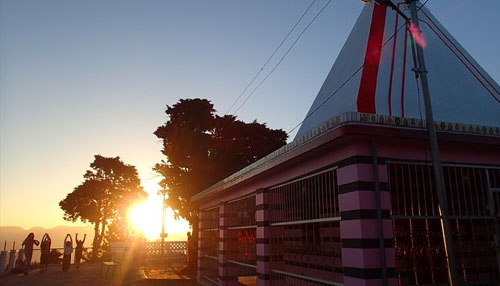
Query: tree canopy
(109, 188)
(203, 148)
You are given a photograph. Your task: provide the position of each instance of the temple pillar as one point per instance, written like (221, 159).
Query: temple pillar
(227, 273)
(359, 228)
(200, 245)
(263, 237)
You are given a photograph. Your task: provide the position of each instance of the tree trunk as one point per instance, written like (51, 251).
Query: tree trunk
(95, 242)
(193, 262)
(103, 229)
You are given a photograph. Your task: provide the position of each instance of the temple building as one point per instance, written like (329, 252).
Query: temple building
(352, 199)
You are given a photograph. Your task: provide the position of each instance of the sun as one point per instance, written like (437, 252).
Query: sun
(145, 217)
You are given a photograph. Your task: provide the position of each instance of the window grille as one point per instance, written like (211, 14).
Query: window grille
(242, 212)
(210, 251)
(305, 231)
(242, 248)
(418, 241)
(210, 269)
(310, 198)
(210, 218)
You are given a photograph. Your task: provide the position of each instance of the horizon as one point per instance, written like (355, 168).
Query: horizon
(70, 73)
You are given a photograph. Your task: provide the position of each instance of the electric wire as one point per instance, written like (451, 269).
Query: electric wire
(272, 55)
(345, 82)
(341, 86)
(348, 79)
(284, 55)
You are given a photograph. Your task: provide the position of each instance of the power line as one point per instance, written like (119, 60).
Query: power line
(272, 55)
(284, 55)
(349, 79)
(342, 85)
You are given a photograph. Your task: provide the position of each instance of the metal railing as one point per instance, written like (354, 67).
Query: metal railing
(305, 231)
(473, 210)
(154, 248)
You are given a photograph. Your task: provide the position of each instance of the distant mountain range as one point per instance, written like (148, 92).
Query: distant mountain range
(10, 234)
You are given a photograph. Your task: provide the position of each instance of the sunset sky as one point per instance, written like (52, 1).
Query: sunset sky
(79, 78)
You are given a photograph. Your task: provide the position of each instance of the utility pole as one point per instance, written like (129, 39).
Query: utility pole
(421, 73)
(163, 192)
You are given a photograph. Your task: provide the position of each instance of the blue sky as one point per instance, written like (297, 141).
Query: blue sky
(79, 78)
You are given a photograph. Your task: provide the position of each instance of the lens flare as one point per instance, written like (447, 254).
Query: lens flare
(417, 35)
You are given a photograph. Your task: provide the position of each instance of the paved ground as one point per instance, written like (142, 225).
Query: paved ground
(152, 273)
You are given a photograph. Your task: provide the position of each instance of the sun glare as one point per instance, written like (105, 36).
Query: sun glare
(145, 217)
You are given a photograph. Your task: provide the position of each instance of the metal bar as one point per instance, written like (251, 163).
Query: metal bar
(452, 189)
(491, 203)
(209, 208)
(419, 210)
(306, 221)
(431, 264)
(303, 178)
(242, 227)
(484, 200)
(210, 279)
(378, 202)
(481, 184)
(437, 217)
(242, 264)
(424, 188)
(330, 203)
(317, 194)
(210, 229)
(241, 198)
(404, 191)
(446, 164)
(307, 278)
(410, 185)
(431, 188)
(396, 179)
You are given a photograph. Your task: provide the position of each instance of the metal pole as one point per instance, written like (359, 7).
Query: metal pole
(421, 70)
(378, 202)
(163, 224)
(492, 207)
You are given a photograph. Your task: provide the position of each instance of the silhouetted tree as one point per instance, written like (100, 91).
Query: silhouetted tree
(203, 148)
(109, 188)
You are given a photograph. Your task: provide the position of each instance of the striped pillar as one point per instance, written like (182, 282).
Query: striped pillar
(227, 272)
(361, 260)
(263, 236)
(200, 245)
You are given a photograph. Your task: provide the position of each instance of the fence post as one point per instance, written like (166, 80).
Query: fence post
(20, 254)
(12, 260)
(3, 258)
